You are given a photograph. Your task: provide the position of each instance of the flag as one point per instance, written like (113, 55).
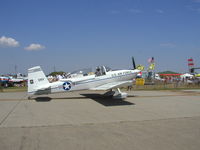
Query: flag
(152, 66)
(140, 67)
(151, 60)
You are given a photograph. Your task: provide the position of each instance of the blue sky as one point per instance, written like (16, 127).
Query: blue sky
(74, 34)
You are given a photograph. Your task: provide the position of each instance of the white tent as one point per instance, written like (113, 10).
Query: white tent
(186, 75)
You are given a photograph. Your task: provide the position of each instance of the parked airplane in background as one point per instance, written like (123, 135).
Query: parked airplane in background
(101, 80)
(4, 81)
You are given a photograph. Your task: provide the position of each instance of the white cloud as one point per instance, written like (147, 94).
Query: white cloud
(34, 47)
(135, 11)
(8, 42)
(159, 11)
(169, 45)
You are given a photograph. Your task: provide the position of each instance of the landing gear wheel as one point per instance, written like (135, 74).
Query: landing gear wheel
(119, 95)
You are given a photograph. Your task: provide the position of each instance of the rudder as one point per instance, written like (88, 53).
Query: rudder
(36, 79)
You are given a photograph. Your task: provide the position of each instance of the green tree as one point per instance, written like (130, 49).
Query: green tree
(168, 72)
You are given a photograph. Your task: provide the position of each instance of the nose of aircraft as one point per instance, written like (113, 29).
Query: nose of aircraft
(137, 71)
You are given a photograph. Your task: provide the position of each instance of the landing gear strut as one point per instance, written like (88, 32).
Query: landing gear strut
(119, 95)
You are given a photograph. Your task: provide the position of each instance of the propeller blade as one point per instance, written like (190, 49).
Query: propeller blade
(133, 61)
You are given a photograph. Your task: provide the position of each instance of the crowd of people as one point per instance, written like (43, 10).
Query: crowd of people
(56, 77)
(183, 81)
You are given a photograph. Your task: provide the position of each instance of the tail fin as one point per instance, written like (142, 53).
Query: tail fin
(36, 79)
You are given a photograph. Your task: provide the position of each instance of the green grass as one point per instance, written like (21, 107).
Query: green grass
(163, 87)
(166, 87)
(14, 89)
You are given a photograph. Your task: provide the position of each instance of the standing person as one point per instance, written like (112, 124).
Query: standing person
(129, 88)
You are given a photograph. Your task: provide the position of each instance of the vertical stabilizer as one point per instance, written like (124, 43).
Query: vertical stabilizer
(36, 80)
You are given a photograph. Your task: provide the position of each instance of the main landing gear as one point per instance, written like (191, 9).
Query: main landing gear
(116, 94)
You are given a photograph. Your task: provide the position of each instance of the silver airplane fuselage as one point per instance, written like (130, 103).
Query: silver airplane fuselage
(89, 82)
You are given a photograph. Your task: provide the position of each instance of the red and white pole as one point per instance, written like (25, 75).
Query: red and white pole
(190, 64)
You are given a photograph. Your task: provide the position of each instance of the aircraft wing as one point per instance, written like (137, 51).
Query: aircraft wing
(113, 85)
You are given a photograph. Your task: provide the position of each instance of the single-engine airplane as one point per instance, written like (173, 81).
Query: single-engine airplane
(103, 79)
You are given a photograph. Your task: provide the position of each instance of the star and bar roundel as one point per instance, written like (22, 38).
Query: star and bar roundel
(67, 86)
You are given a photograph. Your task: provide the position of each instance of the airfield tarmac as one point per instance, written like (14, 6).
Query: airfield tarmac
(152, 120)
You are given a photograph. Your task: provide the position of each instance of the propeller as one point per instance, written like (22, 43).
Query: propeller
(133, 61)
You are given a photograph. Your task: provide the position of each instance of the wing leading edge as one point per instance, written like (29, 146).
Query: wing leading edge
(113, 85)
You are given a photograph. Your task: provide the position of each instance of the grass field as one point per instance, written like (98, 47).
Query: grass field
(165, 87)
(13, 89)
